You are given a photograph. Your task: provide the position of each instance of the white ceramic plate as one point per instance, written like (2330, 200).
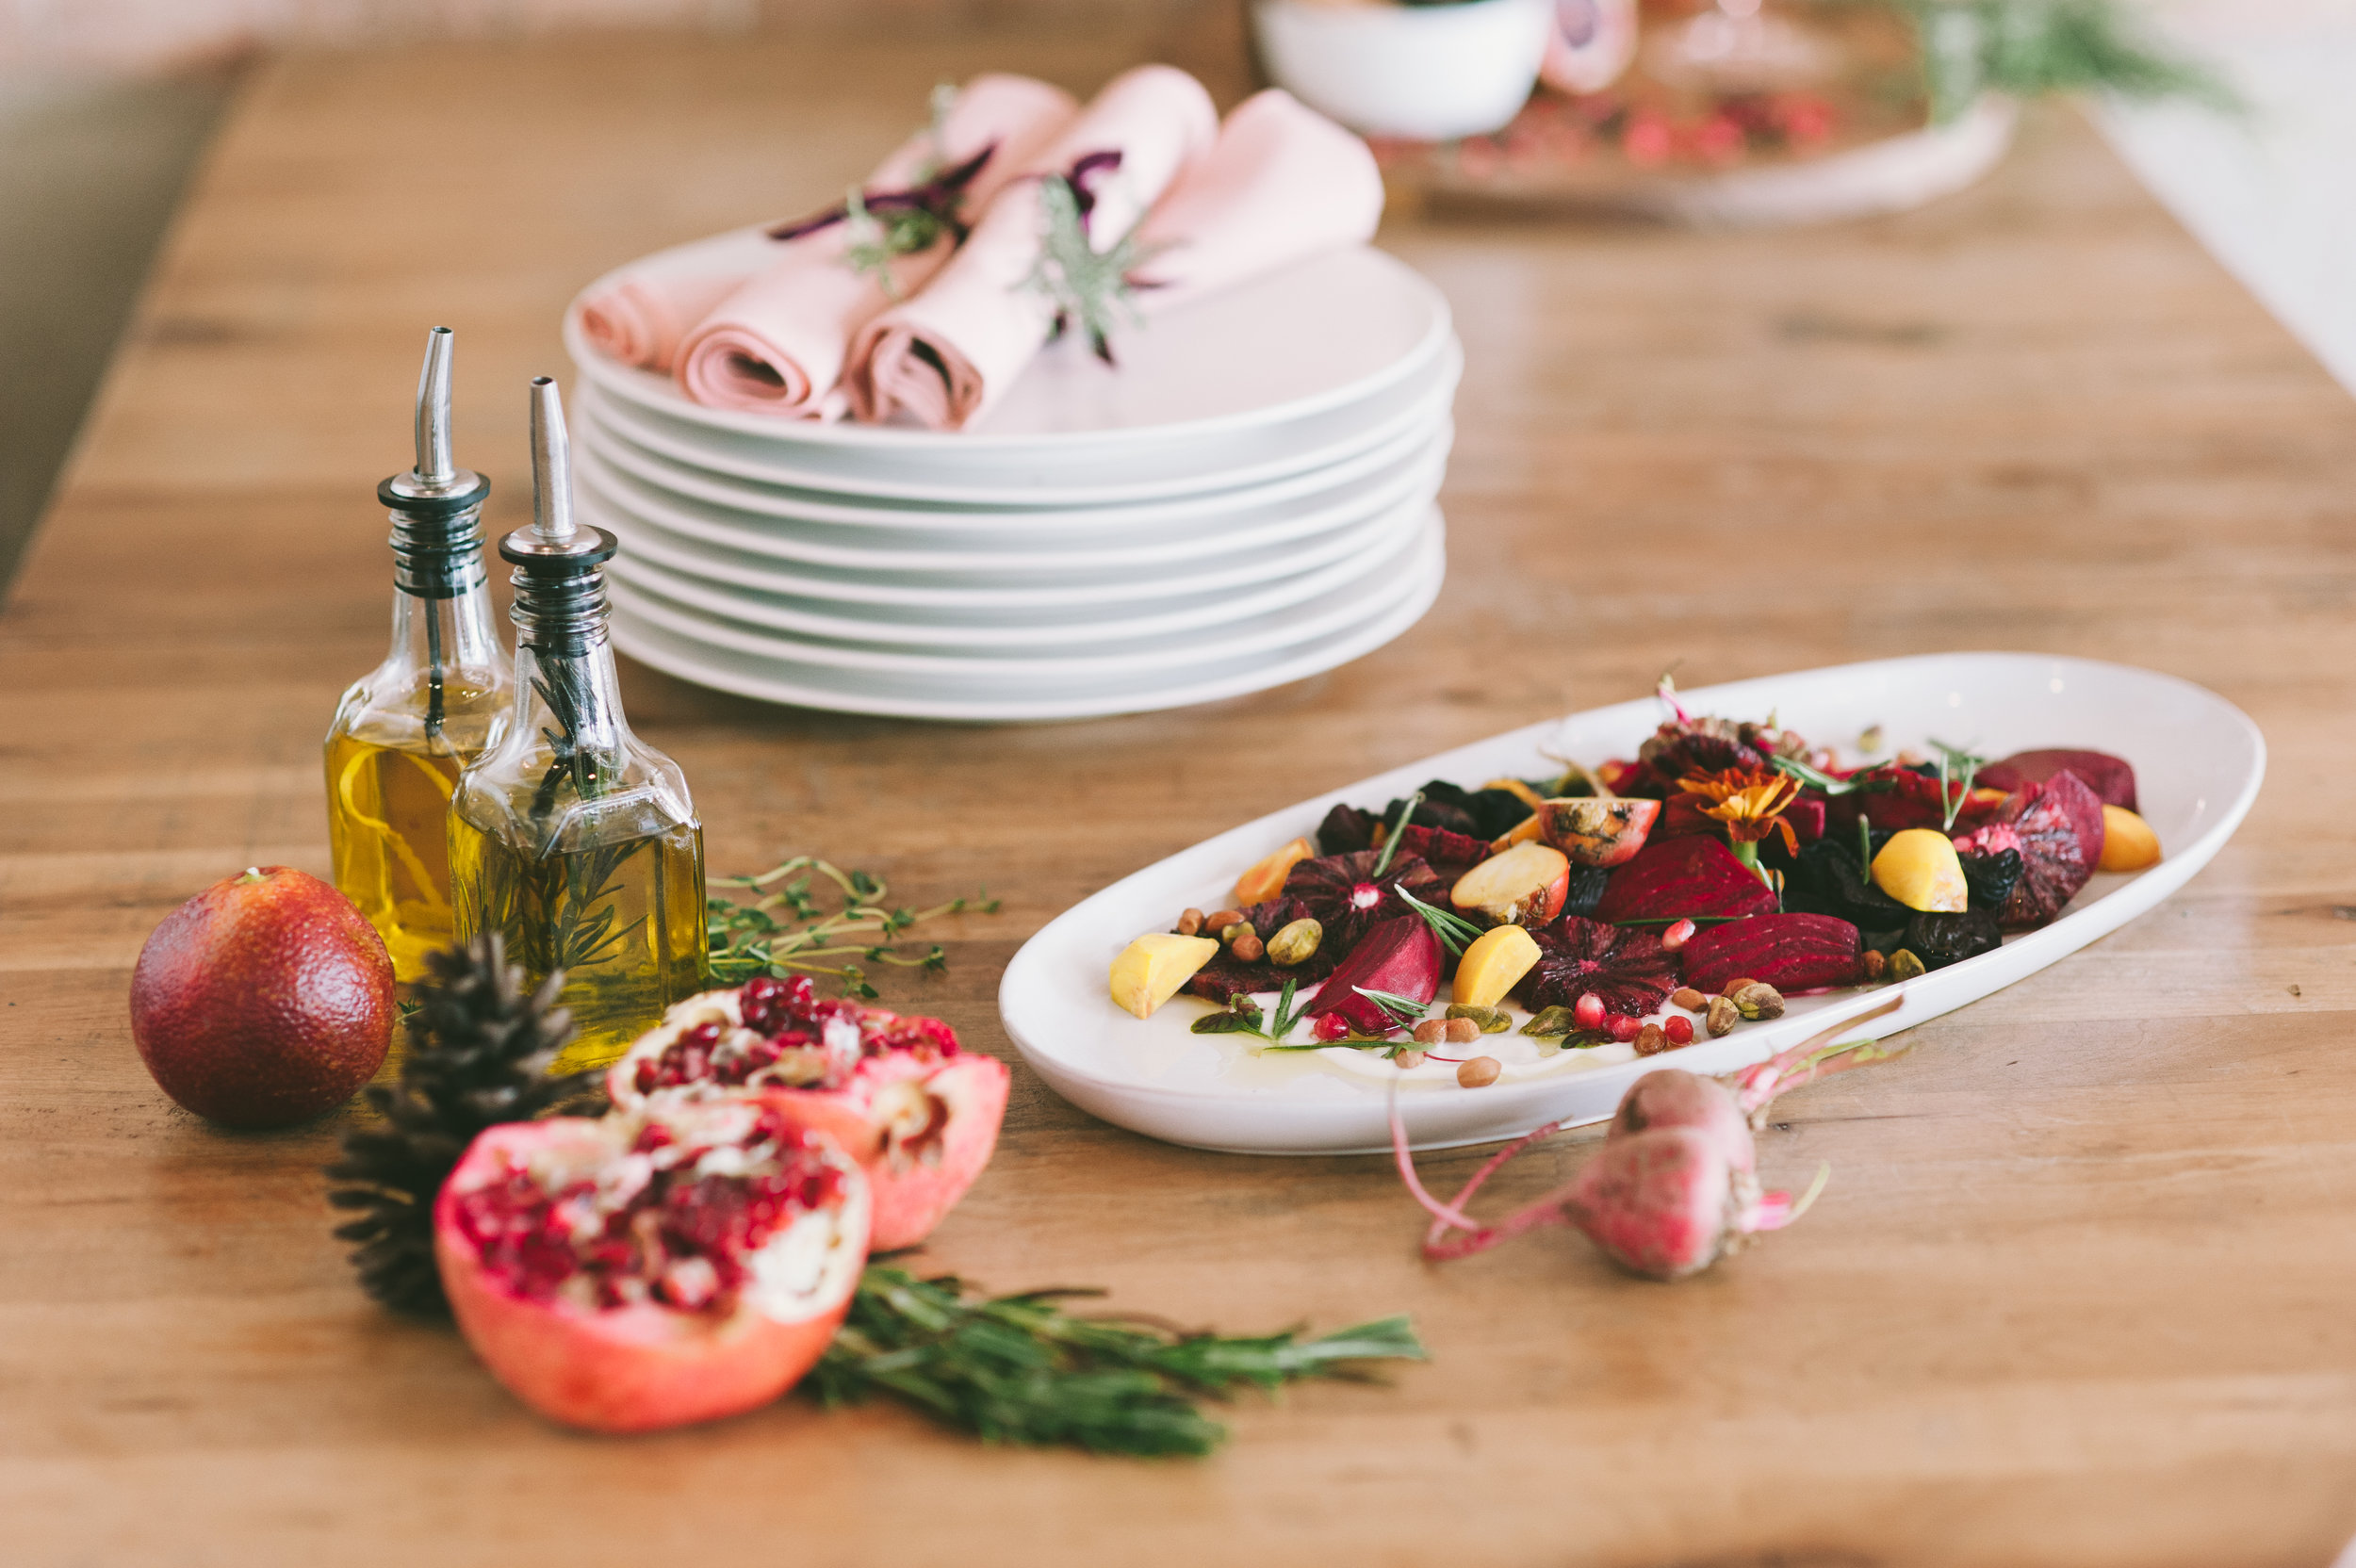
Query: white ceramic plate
(1206, 616)
(1403, 552)
(1012, 563)
(2198, 761)
(1087, 476)
(1327, 331)
(852, 691)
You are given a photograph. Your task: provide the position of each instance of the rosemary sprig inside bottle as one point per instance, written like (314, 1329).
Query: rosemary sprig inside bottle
(1020, 1369)
(782, 929)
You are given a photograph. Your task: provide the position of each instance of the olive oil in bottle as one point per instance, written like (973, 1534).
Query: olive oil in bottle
(403, 732)
(571, 837)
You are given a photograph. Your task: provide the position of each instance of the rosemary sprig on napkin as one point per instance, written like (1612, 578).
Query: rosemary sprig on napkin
(1020, 1369)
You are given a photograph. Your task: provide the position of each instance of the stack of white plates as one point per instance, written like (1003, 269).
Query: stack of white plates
(1246, 500)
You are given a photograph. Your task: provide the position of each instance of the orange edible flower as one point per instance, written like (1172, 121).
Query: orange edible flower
(1750, 801)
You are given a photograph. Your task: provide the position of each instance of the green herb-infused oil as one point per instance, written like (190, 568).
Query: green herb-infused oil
(403, 732)
(571, 837)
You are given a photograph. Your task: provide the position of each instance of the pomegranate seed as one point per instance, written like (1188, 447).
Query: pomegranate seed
(1677, 935)
(1587, 1012)
(1623, 1027)
(1679, 1028)
(1330, 1027)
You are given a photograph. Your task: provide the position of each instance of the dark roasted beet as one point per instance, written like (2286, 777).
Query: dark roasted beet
(2036, 820)
(1629, 971)
(1339, 892)
(1345, 831)
(1792, 953)
(1940, 939)
(1448, 855)
(1226, 974)
(1690, 878)
(1587, 886)
(1444, 806)
(1990, 874)
(2111, 779)
(1893, 797)
(1827, 880)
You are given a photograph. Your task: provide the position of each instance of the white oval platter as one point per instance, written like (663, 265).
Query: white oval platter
(2198, 761)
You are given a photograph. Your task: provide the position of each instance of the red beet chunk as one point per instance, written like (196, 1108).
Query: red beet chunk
(2050, 824)
(1628, 973)
(1399, 955)
(1792, 953)
(1448, 855)
(2111, 779)
(1902, 798)
(1684, 878)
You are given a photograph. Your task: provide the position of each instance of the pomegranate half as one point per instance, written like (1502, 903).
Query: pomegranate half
(920, 1115)
(652, 1268)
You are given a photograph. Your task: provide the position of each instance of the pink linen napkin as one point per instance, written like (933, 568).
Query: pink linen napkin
(1281, 184)
(641, 320)
(777, 344)
(944, 356)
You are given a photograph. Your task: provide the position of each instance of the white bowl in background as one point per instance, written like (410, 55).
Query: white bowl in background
(1425, 73)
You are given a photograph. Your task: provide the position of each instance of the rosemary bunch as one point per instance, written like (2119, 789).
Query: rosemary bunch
(1020, 1369)
(782, 929)
(2029, 48)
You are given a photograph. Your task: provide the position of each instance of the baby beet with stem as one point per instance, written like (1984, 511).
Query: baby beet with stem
(1675, 1186)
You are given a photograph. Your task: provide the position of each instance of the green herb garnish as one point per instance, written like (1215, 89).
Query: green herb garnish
(1404, 1011)
(785, 930)
(1453, 930)
(1956, 757)
(1020, 1369)
(1390, 841)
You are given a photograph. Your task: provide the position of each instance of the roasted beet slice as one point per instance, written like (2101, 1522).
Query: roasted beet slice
(1342, 892)
(1448, 855)
(1587, 886)
(1688, 878)
(1346, 830)
(1629, 971)
(1399, 955)
(1792, 953)
(1990, 874)
(2039, 820)
(2111, 779)
(1939, 939)
(1444, 806)
(1827, 880)
(1893, 797)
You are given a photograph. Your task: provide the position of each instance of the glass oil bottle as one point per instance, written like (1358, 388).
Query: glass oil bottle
(571, 837)
(404, 730)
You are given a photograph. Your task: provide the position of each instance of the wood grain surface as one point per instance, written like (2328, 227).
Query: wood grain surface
(2079, 1293)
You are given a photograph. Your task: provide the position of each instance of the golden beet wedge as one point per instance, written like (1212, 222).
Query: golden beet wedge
(1493, 965)
(2128, 842)
(1265, 879)
(1150, 969)
(1918, 868)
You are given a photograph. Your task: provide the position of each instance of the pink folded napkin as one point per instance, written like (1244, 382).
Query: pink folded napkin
(944, 356)
(641, 320)
(1282, 183)
(777, 344)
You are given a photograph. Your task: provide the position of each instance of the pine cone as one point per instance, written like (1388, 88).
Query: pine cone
(479, 1053)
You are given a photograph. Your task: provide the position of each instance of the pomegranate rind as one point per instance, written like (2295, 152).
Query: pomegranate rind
(1789, 952)
(643, 1367)
(913, 1185)
(1684, 878)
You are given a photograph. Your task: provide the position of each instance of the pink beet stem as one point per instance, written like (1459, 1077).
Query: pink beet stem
(1776, 1209)
(1804, 1063)
(1447, 1216)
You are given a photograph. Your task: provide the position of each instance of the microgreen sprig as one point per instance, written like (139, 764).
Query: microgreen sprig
(1399, 830)
(1242, 1016)
(1816, 779)
(1952, 758)
(786, 930)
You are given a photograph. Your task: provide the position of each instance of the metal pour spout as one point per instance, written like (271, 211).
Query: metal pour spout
(552, 465)
(435, 466)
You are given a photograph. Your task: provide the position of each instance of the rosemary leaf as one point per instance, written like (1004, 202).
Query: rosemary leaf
(1022, 1369)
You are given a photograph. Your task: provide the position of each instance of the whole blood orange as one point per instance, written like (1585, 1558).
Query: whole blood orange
(263, 1001)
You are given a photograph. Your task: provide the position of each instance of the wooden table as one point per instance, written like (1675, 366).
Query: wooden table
(2080, 1291)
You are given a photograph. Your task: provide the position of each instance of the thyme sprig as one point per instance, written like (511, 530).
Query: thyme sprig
(1022, 1369)
(1954, 759)
(785, 930)
(1404, 1012)
(1390, 841)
